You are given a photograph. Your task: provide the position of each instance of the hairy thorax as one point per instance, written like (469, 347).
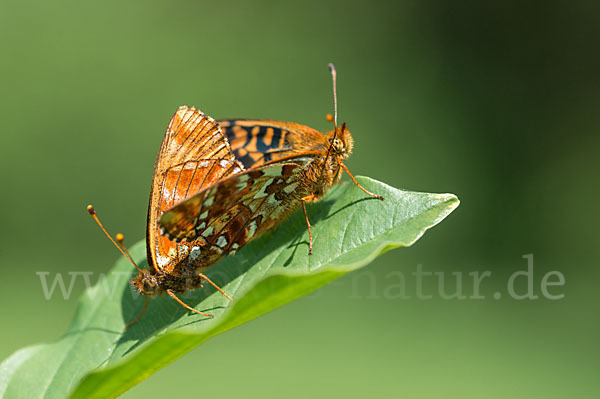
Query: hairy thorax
(322, 174)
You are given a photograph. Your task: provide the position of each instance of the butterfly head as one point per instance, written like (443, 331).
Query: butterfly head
(146, 283)
(340, 142)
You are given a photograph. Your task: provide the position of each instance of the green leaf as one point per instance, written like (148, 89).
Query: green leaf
(99, 358)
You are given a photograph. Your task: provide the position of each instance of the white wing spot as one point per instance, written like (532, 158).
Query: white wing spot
(253, 205)
(252, 228)
(195, 252)
(167, 194)
(290, 188)
(162, 261)
(263, 193)
(221, 242)
(208, 232)
(242, 183)
(272, 201)
(273, 171)
(203, 215)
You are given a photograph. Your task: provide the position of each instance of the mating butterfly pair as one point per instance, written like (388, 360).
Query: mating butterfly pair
(217, 185)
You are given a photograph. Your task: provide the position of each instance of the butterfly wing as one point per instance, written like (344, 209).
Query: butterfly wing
(194, 154)
(225, 216)
(256, 142)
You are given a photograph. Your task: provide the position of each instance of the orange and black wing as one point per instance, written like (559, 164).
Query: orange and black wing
(194, 154)
(256, 142)
(225, 216)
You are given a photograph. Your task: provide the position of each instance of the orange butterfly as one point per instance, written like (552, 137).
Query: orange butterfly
(219, 185)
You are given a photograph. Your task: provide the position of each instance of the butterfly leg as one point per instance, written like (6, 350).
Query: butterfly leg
(140, 314)
(310, 240)
(359, 186)
(172, 295)
(216, 286)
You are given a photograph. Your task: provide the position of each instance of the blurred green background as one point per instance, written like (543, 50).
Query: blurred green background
(494, 101)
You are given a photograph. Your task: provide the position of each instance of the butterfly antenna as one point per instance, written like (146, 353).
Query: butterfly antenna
(120, 239)
(329, 117)
(121, 247)
(333, 78)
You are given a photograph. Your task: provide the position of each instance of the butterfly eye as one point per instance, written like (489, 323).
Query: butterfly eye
(338, 145)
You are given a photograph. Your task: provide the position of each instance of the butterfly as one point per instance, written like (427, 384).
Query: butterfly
(217, 185)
